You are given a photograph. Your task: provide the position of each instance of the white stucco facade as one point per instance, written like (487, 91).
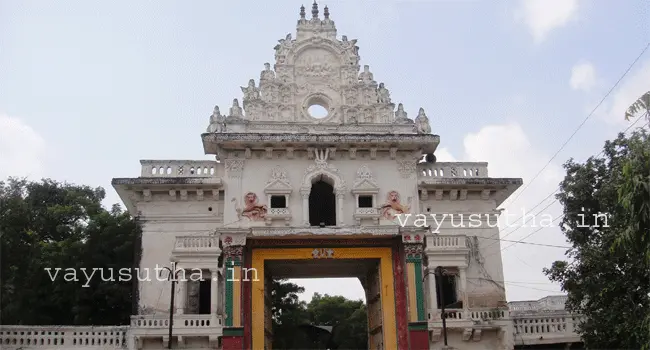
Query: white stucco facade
(202, 214)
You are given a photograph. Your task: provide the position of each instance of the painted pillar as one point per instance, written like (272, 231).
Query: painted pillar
(418, 334)
(400, 298)
(233, 332)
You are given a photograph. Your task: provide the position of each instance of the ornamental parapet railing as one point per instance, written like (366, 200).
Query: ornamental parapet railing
(473, 314)
(63, 337)
(179, 168)
(181, 321)
(196, 244)
(446, 242)
(452, 170)
(545, 328)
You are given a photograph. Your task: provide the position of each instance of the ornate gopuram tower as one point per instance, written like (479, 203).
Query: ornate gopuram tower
(352, 192)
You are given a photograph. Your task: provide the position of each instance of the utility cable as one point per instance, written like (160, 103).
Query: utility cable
(583, 122)
(556, 190)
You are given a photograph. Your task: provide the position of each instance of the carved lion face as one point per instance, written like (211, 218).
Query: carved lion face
(250, 198)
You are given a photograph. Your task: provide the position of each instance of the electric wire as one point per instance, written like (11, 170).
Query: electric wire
(554, 192)
(583, 122)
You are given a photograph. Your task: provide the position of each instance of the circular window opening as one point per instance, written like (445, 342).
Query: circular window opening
(317, 111)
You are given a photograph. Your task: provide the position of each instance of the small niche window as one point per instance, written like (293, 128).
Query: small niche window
(278, 201)
(204, 297)
(365, 202)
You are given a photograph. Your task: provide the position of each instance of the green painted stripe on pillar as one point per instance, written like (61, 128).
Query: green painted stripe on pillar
(419, 291)
(229, 295)
(414, 326)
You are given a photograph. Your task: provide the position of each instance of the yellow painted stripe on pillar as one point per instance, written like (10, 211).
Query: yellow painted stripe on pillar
(413, 307)
(236, 298)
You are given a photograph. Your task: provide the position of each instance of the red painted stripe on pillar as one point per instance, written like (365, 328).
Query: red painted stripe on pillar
(400, 298)
(246, 300)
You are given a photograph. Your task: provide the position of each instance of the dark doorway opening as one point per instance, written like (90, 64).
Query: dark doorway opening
(447, 285)
(204, 297)
(322, 204)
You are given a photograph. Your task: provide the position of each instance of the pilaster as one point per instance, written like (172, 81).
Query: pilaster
(233, 260)
(304, 193)
(414, 251)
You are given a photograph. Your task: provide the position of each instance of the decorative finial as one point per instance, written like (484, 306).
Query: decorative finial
(326, 12)
(314, 10)
(302, 11)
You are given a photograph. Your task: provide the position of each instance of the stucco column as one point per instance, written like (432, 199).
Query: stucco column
(463, 287)
(339, 197)
(433, 292)
(305, 206)
(182, 294)
(214, 296)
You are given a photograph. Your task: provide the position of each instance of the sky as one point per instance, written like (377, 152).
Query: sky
(88, 88)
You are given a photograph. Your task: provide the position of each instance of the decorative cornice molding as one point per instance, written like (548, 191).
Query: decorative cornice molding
(330, 231)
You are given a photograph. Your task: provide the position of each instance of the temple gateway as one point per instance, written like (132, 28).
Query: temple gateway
(292, 194)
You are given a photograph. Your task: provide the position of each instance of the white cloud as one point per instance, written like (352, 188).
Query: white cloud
(543, 16)
(22, 149)
(443, 155)
(509, 153)
(583, 76)
(633, 86)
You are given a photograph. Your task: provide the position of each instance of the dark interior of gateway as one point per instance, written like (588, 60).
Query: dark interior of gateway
(322, 204)
(312, 334)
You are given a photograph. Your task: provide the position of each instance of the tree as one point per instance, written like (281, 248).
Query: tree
(609, 287)
(291, 316)
(348, 317)
(288, 313)
(641, 105)
(49, 225)
(634, 194)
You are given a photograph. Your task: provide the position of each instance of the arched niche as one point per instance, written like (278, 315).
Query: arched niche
(322, 178)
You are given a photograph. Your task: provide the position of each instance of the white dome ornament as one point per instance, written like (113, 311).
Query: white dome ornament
(422, 122)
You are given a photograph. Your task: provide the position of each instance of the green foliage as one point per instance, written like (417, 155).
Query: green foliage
(58, 225)
(288, 313)
(347, 317)
(608, 280)
(641, 105)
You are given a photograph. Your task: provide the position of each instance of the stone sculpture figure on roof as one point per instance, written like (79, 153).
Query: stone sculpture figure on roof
(422, 122)
(401, 115)
(383, 94)
(366, 76)
(250, 92)
(217, 121)
(236, 112)
(267, 74)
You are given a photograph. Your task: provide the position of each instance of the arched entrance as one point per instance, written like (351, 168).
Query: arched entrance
(322, 204)
(374, 266)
